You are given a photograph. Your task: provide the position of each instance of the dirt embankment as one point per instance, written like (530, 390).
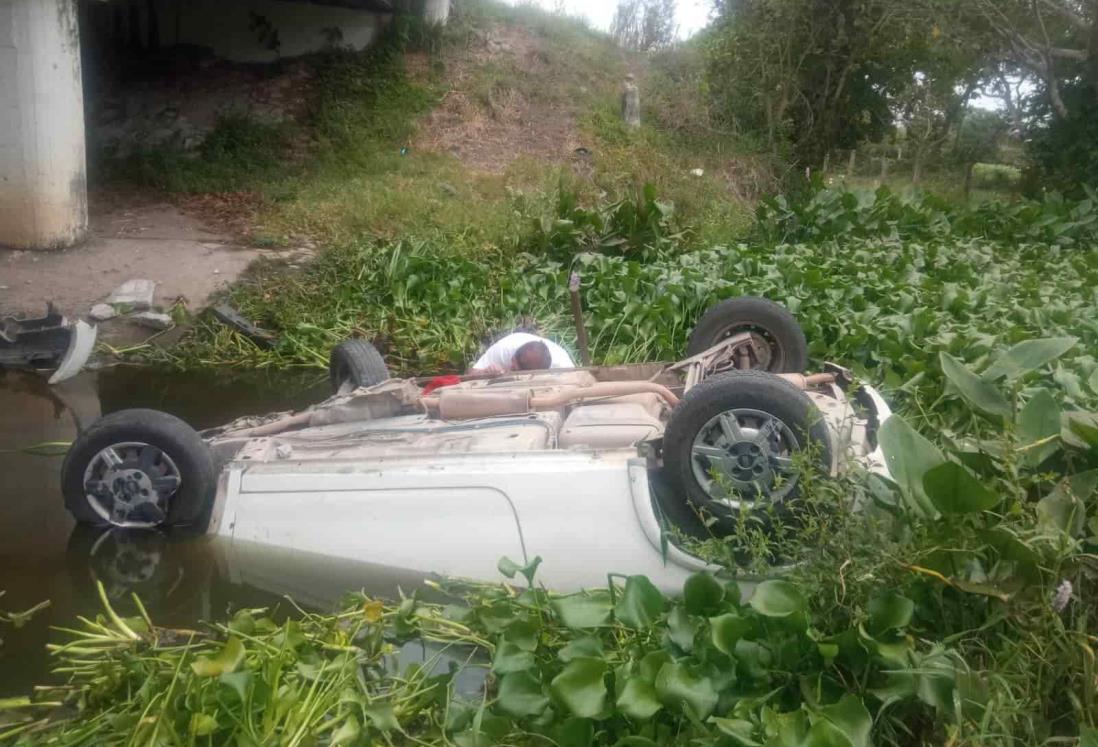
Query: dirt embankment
(504, 101)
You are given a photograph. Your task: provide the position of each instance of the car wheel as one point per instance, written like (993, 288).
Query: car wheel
(138, 469)
(781, 344)
(731, 446)
(355, 363)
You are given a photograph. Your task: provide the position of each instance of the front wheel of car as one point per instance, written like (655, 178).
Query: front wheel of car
(138, 469)
(735, 446)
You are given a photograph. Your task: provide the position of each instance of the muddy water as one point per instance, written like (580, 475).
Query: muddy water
(182, 581)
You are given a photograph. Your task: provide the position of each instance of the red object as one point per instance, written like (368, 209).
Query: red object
(440, 381)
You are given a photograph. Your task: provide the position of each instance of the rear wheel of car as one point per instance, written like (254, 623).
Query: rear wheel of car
(138, 469)
(733, 446)
(355, 363)
(779, 342)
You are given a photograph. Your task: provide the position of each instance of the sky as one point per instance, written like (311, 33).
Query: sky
(692, 15)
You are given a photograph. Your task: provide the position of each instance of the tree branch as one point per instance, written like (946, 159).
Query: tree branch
(1079, 55)
(1068, 14)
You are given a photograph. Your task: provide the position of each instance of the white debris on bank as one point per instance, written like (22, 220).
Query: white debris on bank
(136, 295)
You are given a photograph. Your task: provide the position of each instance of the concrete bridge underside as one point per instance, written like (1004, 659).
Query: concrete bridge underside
(43, 183)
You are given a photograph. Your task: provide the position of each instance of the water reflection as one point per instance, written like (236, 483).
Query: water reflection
(180, 579)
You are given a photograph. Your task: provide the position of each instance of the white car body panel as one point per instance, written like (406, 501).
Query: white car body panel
(426, 496)
(585, 514)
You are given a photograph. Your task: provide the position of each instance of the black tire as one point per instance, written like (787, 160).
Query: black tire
(186, 505)
(358, 363)
(740, 391)
(773, 322)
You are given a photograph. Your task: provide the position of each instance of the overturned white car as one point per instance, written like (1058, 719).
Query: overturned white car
(584, 467)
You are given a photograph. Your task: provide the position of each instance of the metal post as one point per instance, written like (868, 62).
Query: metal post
(577, 316)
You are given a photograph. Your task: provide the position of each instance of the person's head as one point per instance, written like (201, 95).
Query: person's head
(532, 356)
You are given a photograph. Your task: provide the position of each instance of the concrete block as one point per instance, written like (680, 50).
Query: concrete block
(101, 312)
(137, 294)
(152, 319)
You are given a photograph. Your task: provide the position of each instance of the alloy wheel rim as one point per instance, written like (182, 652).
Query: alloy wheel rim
(130, 484)
(744, 458)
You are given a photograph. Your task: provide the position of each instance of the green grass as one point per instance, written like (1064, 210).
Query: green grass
(239, 153)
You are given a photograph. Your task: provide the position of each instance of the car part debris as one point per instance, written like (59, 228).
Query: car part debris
(230, 317)
(47, 343)
(81, 345)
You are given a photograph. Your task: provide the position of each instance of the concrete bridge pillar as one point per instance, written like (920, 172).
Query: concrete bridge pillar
(43, 189)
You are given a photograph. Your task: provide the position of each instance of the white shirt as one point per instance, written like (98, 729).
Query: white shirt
(502, 353)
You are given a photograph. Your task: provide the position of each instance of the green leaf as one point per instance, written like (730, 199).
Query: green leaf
(851, 718)
(381, 715)
(523, 634)
(828, 651)
(576, 732)
(650, 666)
(823, 733)
(582, 687)
(785, 729)
(203, 725)
(587, 646)
(682, 628)
(638, 699)
(347, 733)
(889, 611)
(979, 392)
(641, 604)
(583, 610)
(242, 622)
(1088, 736)
(634, 740)
(1064, 508)
(509, 568)
(677, 686)
(742, 732)
(473, 738)
(1039, 421)
(521, 695)
(1080, 429)
(702, 594)
(777, 598)
(510, 658)
(725, 630)
(228, 660)
(953, 490)
(934, 682)
(238, 682)
(909, 456)
(1028, 356)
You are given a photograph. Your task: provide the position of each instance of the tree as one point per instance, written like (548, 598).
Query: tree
(1056, 40)
(1055, 44)
(815, 75)
(644, 24)
(978, 139)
